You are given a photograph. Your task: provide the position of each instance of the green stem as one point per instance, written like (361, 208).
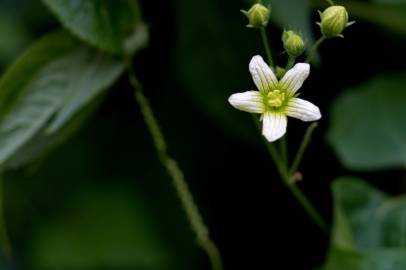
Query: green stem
(313, 51)
(296, 192)
(291, 62)
(267, 46)
(307, 205)
(184, 194)
(4, 238)
(284, 150)
(330, 2)
(302, 148)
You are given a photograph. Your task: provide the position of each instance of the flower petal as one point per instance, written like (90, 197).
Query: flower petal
(250, 101)
(262, 74)
(274, 125)
(294, 78)
(303, 110)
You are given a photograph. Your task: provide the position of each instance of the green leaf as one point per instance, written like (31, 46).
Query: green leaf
(44, 142)
(369, 230)
(368, 130)
(46, 86)
(102, 23)
(106, 229)
(391, 15)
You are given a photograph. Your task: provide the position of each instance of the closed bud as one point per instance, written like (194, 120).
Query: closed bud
(293, 43)
(333, 21)
(258, 16)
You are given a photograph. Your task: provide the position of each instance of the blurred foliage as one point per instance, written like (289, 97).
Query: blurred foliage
(213, 36)
(77, 209)
(293, 15)
(103, 229)
(53, 79)
(368, 129)
(369, 230)
(104, 24)
(389, 14)
(17, 37)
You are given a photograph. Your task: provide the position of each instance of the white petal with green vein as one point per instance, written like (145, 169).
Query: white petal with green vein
(263, 76)
(294, 78)
(274, 125)
(250, 101)
(303, 110)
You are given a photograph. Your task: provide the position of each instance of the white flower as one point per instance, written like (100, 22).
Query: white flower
(275, 99)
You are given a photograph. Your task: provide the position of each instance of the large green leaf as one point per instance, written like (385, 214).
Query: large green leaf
(369, 231)
(106, 229)
(368, 129)
(102, 23)
(46, 86)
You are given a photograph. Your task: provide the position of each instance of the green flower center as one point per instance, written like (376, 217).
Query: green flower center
(275, 98)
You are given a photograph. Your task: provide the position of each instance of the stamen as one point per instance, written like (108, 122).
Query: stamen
(276, 98)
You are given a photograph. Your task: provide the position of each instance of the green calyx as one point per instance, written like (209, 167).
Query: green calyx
(333, 21)
(258, 16)
(293, 43)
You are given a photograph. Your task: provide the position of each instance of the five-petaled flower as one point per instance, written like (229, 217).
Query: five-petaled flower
(275, 99)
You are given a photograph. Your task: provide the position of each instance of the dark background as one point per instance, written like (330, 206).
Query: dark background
(252, 217)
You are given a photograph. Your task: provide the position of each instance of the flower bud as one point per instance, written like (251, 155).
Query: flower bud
(280, 72)
(333, 21)
(293, 43)
(258, 16)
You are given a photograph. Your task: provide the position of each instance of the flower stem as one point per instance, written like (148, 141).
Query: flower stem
(182, 189)
(286, 179)
(302, 148)
(290, 63)
(296, 192)
(284, 150)
(314, 49)
(267, 47)
(4, 238)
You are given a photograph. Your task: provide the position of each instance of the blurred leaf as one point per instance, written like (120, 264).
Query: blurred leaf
(294, 15)
(212, 54)
(49, 83)
(102, 23)
(42, 143)
(391, 1)
(368, 129)
(102, 230)
(17, 37)
(389, 16)
(369, 231)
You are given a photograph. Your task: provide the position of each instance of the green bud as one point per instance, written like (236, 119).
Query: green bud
(293, 43)
(333, 21)
(258, 16)
(279, 72)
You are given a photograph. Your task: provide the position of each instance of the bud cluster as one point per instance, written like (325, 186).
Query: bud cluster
(333, 21)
